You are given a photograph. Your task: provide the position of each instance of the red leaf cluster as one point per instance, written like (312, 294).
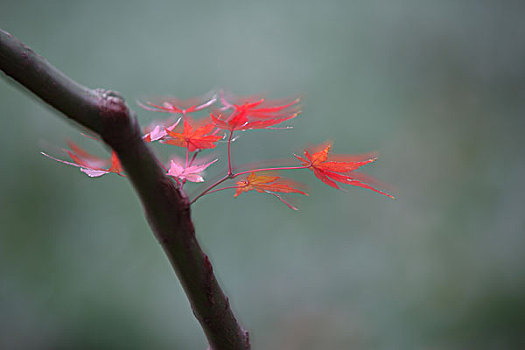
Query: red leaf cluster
(231, 114)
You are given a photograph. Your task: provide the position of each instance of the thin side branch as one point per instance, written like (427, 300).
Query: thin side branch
(166, 208)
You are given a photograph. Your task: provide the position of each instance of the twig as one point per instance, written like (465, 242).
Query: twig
(167, 209)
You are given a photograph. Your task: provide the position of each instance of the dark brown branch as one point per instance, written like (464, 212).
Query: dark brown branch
(167, 209)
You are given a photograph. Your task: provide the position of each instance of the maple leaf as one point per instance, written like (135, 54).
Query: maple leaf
(193, 173)
(263, 109)
(90, 165)
(259, 114)
(194, 139)
(340, 168)
(80, 156)
(257, 106)
(157, 130)
(175, 105)
(268, 184)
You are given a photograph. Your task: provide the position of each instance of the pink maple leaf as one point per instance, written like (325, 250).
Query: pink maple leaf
(157, 130)
(193, 173)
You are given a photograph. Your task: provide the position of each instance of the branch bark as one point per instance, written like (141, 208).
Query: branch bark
(166, 208)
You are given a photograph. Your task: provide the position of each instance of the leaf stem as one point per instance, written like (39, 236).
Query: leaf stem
(223, 188)
(212, 186)
(194, 156)
(230, 173)
(271, 169)
(187, 158)
(187, 153)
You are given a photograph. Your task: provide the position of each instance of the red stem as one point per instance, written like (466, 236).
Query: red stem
(187, 158)
(209, 188)
(229, 154)
(187, 153)
(194, 156)
(270, 169)
(224, 188)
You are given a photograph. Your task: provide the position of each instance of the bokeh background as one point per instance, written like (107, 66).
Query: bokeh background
(436, 87)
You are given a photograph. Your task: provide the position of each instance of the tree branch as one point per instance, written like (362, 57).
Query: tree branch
(166, 208)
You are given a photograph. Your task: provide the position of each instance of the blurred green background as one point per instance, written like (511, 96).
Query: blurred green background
(437, 87)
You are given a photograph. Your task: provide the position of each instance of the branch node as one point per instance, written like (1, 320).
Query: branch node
(119, 125)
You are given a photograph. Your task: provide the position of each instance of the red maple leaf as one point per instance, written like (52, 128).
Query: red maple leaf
(194, 139)
(265, 109)
(270, 185)
(340, 168)
(259, 114)
(89, 164)
(175, 105)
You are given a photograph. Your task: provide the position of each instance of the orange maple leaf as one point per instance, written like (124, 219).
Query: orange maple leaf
(193, 139)
(340, 168)
(270, 185)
